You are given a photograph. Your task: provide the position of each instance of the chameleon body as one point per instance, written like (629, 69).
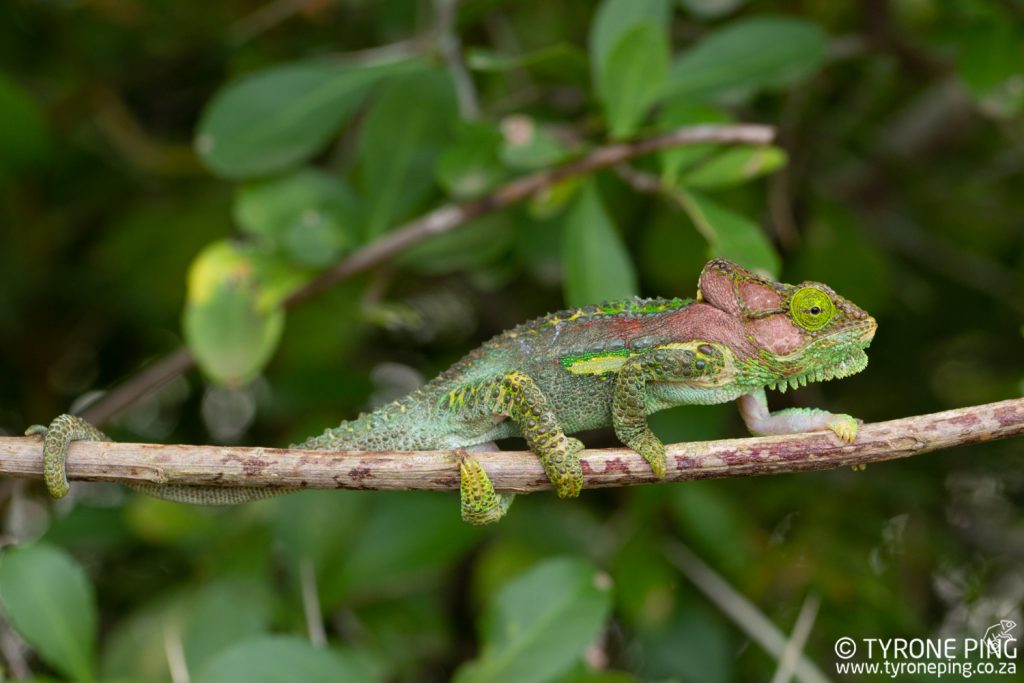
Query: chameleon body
(607, 365)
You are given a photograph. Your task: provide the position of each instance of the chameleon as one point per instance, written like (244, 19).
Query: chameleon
(611, 364)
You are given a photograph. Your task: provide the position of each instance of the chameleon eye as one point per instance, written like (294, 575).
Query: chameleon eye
(811, 308)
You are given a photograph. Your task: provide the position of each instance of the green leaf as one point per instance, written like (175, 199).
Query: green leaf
(710, 9)
(675, 115)
(401, 139)
(550, 201)
(280, 659)
(50, 602)
(233, 318)
(615, 18)
(310, 214)
(528, 145)
(471, 165)
(735, 165)
(216, 616)
(990, 60)
(633, 76)
(541, 623)
(586, 676)
(563, 62)
(273, 119)
(595, 262)
(747, 56)
(731, 235)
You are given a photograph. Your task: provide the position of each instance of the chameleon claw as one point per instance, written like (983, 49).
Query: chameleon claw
(845, 427)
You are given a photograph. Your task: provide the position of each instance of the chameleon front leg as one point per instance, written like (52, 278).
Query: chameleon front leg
(64, 429)
(761, 422)
(671, 363)
(517, 397)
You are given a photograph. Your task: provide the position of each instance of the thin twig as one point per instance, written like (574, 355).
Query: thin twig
(743, 613)
(790, 658)
(450, 216)
(446, 12)
(14, 650)
(174, 651)
(262, 19)
(517, 471)
(311, 603)
(443, 219)
(150, 378)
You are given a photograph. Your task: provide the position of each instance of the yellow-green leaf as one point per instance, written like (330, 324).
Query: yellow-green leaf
(233, 316)
(735, 165)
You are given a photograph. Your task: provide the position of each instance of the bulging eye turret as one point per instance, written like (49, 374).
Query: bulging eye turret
(811, 308)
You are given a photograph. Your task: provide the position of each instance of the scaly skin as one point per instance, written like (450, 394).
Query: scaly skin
(608, 365)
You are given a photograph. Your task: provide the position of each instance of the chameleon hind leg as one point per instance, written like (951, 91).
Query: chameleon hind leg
(679, 363)
(64, 429)
(516, 396)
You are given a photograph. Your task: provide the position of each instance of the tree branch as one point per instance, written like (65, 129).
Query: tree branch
(443, 219)
(518, 471)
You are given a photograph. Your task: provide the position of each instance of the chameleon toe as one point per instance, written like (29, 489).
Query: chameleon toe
(845, 427)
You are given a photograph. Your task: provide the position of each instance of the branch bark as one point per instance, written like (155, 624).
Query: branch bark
(517, 471)
(443, 219)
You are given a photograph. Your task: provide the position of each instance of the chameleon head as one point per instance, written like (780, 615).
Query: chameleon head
(801, 333)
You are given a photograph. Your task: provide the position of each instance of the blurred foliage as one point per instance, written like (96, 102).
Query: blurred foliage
(171, 171)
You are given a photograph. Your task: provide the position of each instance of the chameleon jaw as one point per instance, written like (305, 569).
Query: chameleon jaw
(849, 365)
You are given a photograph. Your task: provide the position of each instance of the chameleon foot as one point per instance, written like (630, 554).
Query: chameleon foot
(653, 450)
(845, 427)
(56, 438)
(481, 504)
(562, 465)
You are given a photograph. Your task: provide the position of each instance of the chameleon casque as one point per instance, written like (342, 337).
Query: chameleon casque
(612, 364)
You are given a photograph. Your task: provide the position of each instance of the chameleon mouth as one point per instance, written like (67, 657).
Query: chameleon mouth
(849, 365)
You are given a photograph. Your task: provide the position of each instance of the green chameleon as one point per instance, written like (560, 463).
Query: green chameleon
(612, 364)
